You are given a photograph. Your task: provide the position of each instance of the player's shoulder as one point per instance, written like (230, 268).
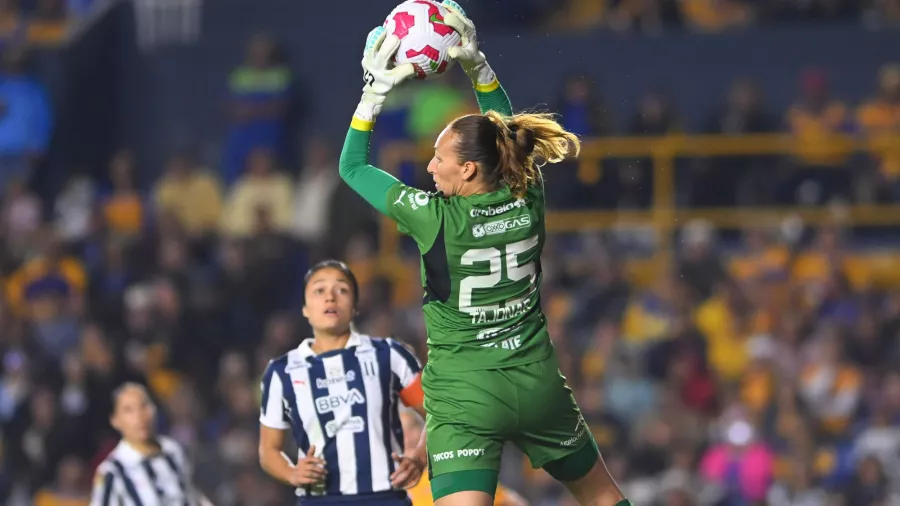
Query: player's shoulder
(106, 467)
(293, 359)
(412, 198)
(170, 446)
(374, 342)
(403, 349)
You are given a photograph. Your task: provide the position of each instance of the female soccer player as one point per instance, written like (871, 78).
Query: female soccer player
(145, 468)
(338, 394)
(492, 375)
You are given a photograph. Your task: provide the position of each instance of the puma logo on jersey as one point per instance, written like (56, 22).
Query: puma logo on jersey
(399, 201)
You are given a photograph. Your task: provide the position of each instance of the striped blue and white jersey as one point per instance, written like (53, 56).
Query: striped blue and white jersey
(128, 478)
(345, 403)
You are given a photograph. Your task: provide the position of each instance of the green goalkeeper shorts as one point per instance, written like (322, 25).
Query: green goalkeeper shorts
(471, 414)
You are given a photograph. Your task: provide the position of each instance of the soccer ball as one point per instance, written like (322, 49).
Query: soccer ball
(424, 38)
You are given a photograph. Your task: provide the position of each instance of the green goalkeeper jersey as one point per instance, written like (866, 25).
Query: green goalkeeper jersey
(481, 258)
(481, 272)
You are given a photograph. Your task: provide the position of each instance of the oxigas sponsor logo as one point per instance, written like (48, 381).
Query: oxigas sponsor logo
(500, 226)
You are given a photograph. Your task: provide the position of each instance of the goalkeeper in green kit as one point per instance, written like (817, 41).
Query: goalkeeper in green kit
(492, 374)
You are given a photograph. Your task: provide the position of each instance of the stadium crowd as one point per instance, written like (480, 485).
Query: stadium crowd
(760, 370)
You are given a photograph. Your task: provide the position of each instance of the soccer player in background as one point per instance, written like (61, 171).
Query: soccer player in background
(144, 469)
(339, 393)
(492, 375)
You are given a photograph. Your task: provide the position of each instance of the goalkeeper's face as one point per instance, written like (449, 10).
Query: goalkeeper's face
(450, 176)
(330, 303)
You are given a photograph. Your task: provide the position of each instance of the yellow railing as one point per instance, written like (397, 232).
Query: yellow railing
(663, 215)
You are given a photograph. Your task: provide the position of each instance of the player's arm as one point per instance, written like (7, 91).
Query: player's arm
(490, 95)
(368, 181)
(406, 367)
(274, 422)
(417, 214)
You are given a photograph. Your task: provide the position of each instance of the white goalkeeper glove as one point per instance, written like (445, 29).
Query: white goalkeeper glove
(379, 73)
(467, 54)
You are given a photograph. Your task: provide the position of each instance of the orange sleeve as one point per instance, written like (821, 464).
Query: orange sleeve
(412, 395)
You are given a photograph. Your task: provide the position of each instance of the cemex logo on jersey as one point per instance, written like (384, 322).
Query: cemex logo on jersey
(494, 211)
(501, 226)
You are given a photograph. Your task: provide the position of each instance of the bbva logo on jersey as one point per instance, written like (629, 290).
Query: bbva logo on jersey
(329, 403)
(501, 226)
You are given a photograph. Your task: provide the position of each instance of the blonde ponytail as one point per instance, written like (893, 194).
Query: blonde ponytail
(512, 149)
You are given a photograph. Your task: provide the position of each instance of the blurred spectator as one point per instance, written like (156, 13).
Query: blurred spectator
(262, 188)
(763, 257)
(699, 266)
(814, 9)
(815, 120)
(192, 196)
(655, 116)
(74, 209)
(314, 192)
(123, 208)
(21, 217)
(830, 385)
(435, 105)
(650, 315)
(643, 16)
(798, 489)
(729, 180)
(26, 120)
(582, 109)
(49, 274)
(50, 10)
(629, 393)
(69, 488)
(883, 13)
(741, 463)
(716, 15)
(870, 485)
(879, 117)
(258, 105)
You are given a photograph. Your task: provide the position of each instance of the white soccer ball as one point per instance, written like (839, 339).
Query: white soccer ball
(424, 38)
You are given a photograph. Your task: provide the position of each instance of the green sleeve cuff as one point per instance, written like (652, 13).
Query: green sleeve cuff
(494, 100)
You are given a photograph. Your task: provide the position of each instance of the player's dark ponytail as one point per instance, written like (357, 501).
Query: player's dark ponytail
(512, 149)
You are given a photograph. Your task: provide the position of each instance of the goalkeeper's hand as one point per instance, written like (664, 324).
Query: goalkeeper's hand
(467, 54)
(379, 73)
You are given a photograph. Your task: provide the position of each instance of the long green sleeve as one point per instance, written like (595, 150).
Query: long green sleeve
(493, 98)
(370, 182)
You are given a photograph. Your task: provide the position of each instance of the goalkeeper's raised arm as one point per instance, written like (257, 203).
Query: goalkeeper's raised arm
(491, 96)
(381, 77)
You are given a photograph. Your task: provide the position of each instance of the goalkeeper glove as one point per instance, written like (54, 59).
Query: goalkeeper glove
(467, 54)
(379, 73)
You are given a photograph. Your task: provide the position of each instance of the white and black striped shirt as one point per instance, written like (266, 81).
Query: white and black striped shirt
(129, 478)
(345, 403)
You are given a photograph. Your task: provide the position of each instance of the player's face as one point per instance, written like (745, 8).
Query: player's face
(330, 301)
(134, 416)
(444, 167)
